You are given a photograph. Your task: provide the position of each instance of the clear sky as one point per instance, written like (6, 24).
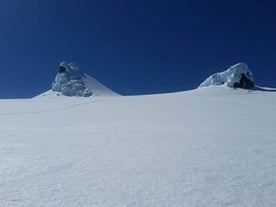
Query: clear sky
(134, 46)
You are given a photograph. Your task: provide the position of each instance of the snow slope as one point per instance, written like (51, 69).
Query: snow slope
(213, 146)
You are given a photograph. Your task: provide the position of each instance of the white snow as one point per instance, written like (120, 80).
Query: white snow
(229, 77)
(213, 147)
(72, 82)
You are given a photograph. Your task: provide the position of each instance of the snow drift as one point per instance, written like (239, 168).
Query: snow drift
(70, 81)
(237, 76)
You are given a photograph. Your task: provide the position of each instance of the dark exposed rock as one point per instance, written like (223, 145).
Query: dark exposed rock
(62, 69)
(244, 82)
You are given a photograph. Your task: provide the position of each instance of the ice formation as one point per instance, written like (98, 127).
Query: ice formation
(237, 76)
(70, 81)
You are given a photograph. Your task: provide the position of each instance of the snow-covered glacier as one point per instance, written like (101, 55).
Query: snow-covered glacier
(208, 147)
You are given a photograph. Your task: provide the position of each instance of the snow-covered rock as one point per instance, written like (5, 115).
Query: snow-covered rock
(70, 81)
(237, 76)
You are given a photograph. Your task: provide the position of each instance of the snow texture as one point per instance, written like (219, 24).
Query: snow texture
(209, 147)
(231, 77)
(71, 82)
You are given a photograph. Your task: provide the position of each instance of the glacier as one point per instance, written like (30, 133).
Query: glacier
(211, 146)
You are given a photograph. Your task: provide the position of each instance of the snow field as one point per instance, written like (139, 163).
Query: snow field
(212, 146)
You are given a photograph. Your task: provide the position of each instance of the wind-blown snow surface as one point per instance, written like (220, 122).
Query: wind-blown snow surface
(212, 147)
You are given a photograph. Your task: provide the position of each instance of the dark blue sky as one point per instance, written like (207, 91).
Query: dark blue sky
(133, 47)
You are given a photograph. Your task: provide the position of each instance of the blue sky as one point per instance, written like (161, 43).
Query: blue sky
(133, 47)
